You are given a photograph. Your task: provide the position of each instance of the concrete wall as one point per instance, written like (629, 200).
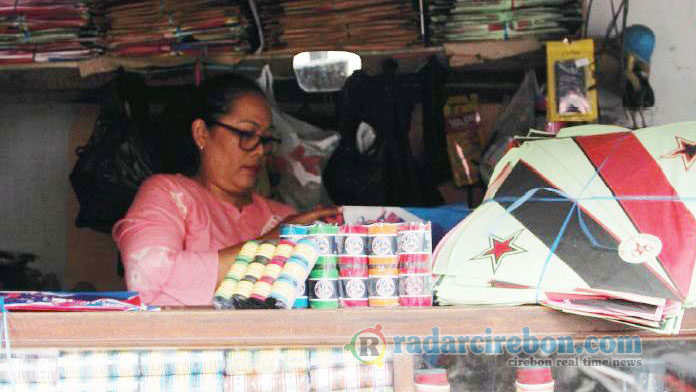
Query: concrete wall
(34, 191)
(674, 59)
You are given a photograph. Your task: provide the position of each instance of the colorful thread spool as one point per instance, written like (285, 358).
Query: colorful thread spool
(382, 239)
(414, 237)
(323, 283)
(271, 271)
(324, 236)
(294, 232)
(353, 281)
(414, 245)
(302, 299)
(294, 273)
(352, 240)
(383, 291)
(223, 295)
(252, 274)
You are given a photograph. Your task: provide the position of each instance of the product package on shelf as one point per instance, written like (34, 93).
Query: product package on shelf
(271, 272)
(29, 366)
(466, 20)
(353, 265)
(268, 382)
(570, 67)
(183, 383)
(272, 360)
(335, 369)
(71, 301)
(383, 265)
(105, 384)
(181, 362)
(462, 121)
(223, 294)
(35, 31)
(295, 233)
(414, 246)
(99, 364)
(322, 285)
(294, 274)
(245, 286)
(156, 28)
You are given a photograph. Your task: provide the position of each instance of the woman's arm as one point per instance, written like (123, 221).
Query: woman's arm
(151, 241)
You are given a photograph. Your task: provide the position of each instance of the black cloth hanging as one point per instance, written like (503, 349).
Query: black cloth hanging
(386, 173)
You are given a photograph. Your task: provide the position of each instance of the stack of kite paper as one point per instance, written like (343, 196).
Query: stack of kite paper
(600, 221)
(46, 30)
(348, 24)
(474, 20)
(165, 27)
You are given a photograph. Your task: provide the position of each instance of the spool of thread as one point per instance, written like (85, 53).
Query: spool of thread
(353, 281)
(323, 283)
(538, 379)
(252, 274)
(324, 236)
(302, 299)
(383, 291)
(294, 232)
(382, 238)
(352, 240)
(223, 295)
(294, 273)
(415, 288)
(271, 271)
(414, 237)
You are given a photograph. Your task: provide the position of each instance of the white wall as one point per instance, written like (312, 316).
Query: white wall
(34, 173)
(674, 59)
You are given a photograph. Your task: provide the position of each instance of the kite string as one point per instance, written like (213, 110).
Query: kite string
(558, 238)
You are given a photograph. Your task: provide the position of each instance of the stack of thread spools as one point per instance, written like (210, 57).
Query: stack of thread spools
(266, 275)
(327, 266)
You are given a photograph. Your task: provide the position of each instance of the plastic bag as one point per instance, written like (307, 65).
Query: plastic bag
(302, 156)
(110, 168)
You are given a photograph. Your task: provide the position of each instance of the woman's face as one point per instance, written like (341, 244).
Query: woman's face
(224, 164)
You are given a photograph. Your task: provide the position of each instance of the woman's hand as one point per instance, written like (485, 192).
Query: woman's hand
(304, 218)
(318, 213)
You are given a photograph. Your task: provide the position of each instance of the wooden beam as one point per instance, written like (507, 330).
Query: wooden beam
(212, 328)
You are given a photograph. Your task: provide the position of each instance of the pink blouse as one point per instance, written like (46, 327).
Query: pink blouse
(170, 237)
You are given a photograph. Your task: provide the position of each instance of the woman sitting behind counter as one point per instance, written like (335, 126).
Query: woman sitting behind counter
(181, 234)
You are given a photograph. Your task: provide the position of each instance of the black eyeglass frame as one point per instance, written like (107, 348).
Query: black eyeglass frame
(273, 141)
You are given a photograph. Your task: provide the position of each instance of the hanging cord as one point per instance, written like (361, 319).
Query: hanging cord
(259, 28)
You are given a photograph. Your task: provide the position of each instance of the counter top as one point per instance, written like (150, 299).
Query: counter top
(206, 327)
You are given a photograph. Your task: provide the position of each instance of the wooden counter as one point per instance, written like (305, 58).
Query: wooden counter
(211, 328)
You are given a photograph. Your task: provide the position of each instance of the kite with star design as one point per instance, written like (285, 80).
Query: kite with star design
(598, 221)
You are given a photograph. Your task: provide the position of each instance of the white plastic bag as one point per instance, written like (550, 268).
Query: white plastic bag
(303, 153)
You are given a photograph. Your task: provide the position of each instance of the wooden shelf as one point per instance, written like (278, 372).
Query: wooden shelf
(461, 53)
(215, 329)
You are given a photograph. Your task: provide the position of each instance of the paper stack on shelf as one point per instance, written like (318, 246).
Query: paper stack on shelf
(47, 31)
(154, 27)
(350, 24)
(475, 20)
(599, 221)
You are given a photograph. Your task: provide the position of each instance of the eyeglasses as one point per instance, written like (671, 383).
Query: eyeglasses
(249, 140)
